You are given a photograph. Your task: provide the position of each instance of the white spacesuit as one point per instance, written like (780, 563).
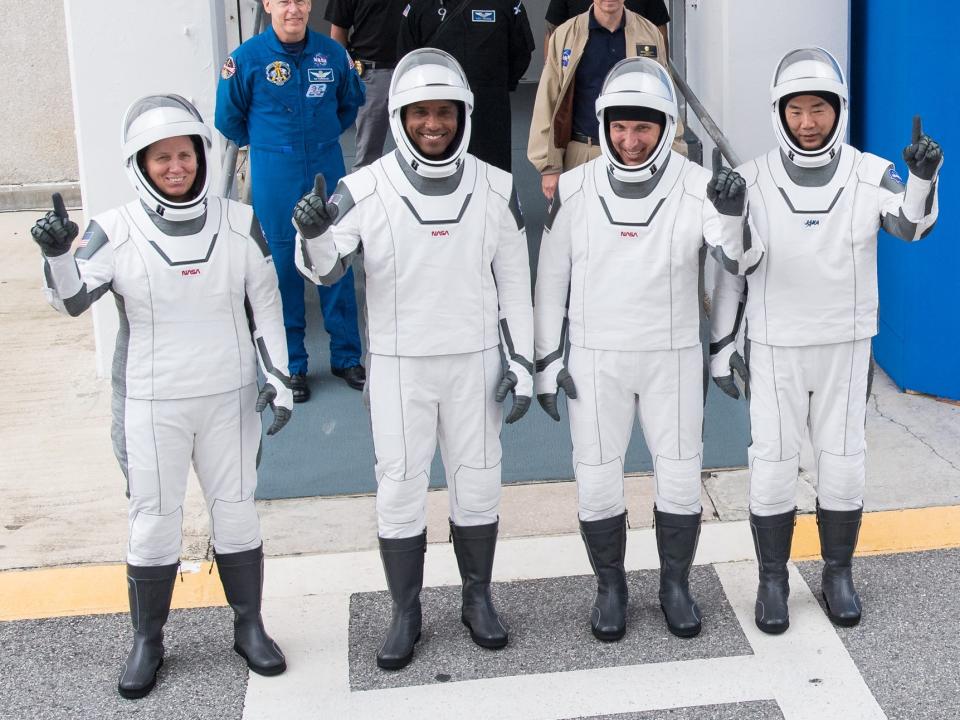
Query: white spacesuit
(811, 311)
(619, 267)
(447, 285)
(197, 295)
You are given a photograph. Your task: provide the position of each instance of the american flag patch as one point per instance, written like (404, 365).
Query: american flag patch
(87, 236)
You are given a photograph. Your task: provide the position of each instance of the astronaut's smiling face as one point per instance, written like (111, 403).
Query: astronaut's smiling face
(634, 140)
(810, 120)
(431, 125)
(171, 165)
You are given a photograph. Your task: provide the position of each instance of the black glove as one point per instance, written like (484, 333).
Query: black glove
(54, 232)
(727, 383)
(548, 401)
(923, 155)
(726, 189)
(281, 414)
(521, 403)
(312, 214)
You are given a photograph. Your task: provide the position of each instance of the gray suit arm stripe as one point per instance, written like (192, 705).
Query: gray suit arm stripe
(261, 345)
(85, 298)
(552, 212)
(720, 256)
(514, 206)
(720, 344)
(544, 362)
(339, 270)
(95, 238)
(256, 232)
(899, 226)
(928, 206)
(514, 355)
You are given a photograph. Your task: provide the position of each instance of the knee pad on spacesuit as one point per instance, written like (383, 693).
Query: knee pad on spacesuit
(155, 539)
(678, 484)
(841, 479)
(600, 490)
(235, 526)
(773, 485)
(477, 495)
(402, 505)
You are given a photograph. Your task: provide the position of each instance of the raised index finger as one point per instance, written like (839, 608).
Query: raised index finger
(58, 206)
(717, 161)
(917, 129)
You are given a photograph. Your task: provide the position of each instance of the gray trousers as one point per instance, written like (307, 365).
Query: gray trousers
(373, 120)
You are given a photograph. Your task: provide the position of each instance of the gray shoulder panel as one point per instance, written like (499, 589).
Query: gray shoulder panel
(343, 199)
(94, 238)
(891, 181)
(256, 232)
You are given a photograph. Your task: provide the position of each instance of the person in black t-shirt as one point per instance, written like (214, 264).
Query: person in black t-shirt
(368, 29)
(492, 41)
(559, 11)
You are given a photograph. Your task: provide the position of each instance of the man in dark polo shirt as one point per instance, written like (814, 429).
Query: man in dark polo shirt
(559, 11)
(368, 29)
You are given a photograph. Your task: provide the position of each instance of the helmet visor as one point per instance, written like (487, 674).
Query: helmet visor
(809, 69)
(169, 107)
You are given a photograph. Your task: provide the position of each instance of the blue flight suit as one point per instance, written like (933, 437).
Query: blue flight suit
(291, 110)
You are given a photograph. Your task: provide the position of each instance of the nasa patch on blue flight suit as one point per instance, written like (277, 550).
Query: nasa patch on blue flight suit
(320, 75)
(278, 72)
(319, 59)
(484, 16)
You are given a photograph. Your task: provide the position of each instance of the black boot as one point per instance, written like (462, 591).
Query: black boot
(474, 547)
(606, 542)
(838, 539)
(150, 590)
(403, 566)
(772, 537)
(242, 577)
(677, 537)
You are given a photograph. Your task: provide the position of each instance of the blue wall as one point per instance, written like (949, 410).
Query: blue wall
(904, 61)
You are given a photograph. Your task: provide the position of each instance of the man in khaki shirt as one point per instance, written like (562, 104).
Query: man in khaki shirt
(563, 131)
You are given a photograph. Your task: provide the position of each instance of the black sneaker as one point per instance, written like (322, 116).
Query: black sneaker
(299, 388)
(354, 376)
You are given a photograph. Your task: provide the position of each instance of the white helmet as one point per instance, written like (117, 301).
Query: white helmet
(158, 117)
(430, 74)
(638, 82)
(808, 71)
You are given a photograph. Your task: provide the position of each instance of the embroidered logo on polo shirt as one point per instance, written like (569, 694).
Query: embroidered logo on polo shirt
(320, 75)
(278, 72)
(649, 51)
(565, 58)
(484, 16)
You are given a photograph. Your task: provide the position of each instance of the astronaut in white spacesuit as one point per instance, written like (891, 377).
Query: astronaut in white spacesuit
(619, 268)
(448, 286)
(811, 311)
(197, 295)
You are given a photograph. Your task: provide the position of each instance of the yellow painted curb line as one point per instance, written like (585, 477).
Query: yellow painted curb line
(890, 531)
(93, 590)
(101, 589)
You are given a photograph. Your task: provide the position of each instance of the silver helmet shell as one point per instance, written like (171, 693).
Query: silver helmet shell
(808, 71)
(158, 117)
(638, 82)
(429, 74)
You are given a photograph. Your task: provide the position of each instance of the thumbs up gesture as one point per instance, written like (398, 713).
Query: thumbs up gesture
(55, 231)
(726, 189)
(312, 215)
(923, 155)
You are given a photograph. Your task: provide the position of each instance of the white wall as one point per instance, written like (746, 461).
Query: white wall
(732, 49)
(120, 51)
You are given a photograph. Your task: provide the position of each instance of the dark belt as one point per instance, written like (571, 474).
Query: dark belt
(585, 139)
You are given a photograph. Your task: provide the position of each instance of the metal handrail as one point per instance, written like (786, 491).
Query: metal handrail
(230, 155)
(713, 130)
